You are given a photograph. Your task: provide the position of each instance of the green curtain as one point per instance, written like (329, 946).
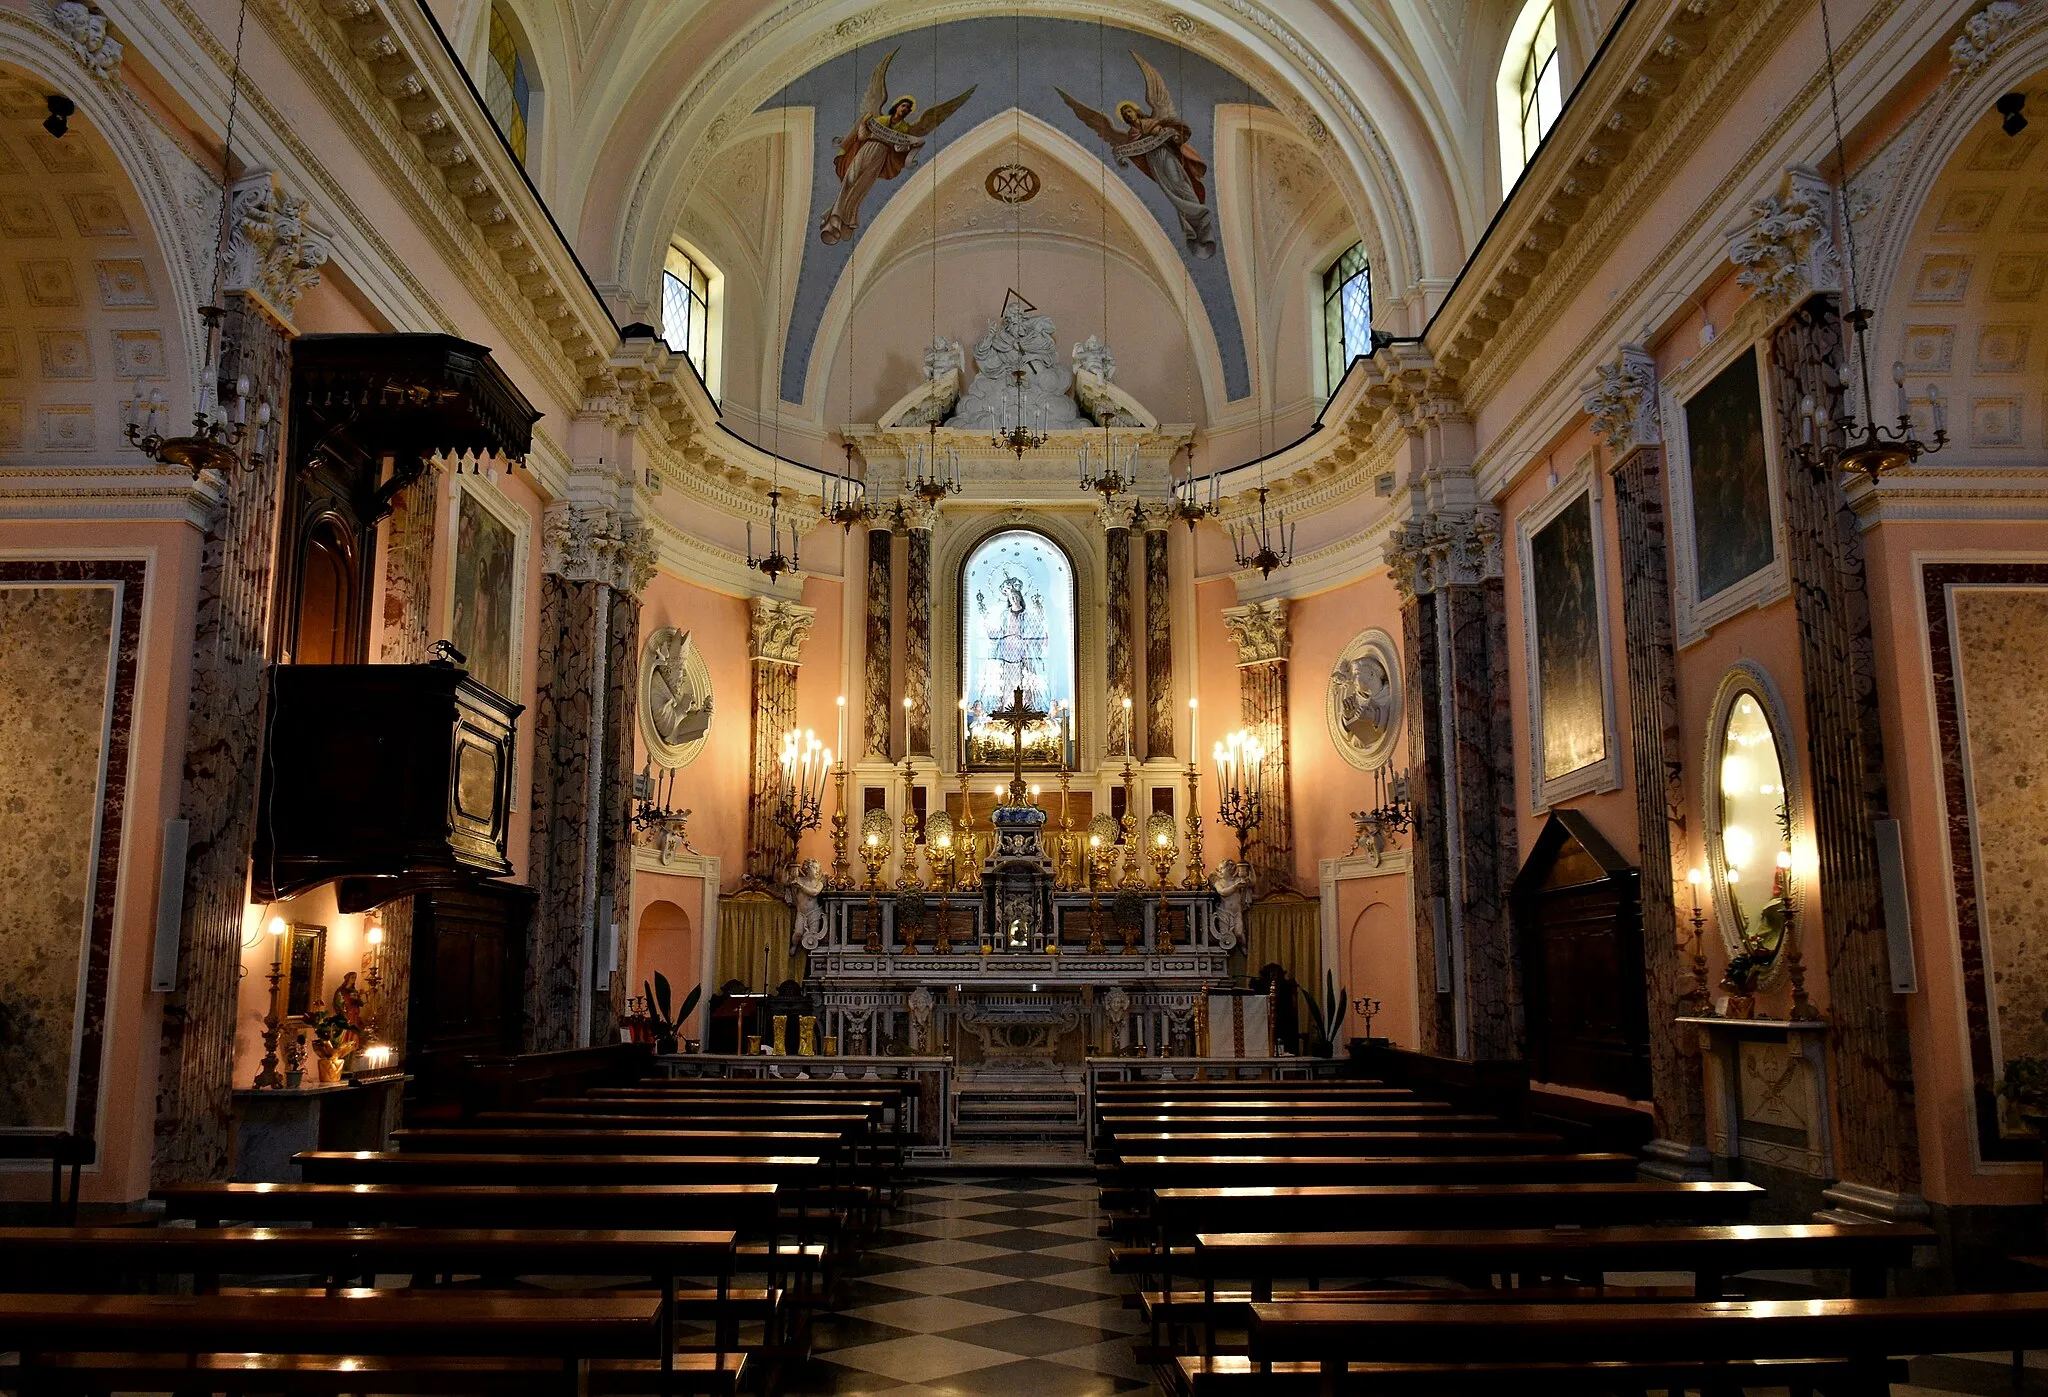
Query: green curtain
(747, 924)
(1289, 931)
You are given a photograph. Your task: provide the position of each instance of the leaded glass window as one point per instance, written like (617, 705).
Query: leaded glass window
(508, 87)
(1347, 312)
(686, 309)
(1540, 88)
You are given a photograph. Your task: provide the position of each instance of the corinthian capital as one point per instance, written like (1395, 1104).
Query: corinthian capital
(596, 545)
(1445, 549)
(1788, 253)
(271, 250)
(1623, 404)
(1259, 630)
(777, 629)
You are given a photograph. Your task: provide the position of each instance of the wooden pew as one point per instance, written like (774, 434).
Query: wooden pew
(1365, 1143)
(1184, 1211)
(1868, 1252)
(60, 1258)
(750, 1208)
(537, 1141)
(365, 1166)
(1147, 1172)
(380, 1340)
(1724, 1335)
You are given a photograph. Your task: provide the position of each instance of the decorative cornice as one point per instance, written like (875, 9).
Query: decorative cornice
(596, 545)
(1623, 404)
(126, 493)
(1445, 549)
(1259, 631)
(777, 629)
(1788, 253)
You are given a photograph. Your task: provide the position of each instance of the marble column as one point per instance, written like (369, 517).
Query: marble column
(408, 631)
(594, 561)
(1624, 410)
(1423, 703)
(1877, 1152)
(1159, 714)
(877, 715)
(223, 761)
(1259, 630)
(1120, 695)
(775, 637)
(918, 519)
(1454, 557)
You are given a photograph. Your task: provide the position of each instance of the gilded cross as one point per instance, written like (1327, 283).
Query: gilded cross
(1016, 718)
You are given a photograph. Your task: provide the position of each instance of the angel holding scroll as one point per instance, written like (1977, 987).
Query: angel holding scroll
(880, 144)
(1162, 145)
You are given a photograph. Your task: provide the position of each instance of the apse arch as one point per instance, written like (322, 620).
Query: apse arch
(894, 224)
(146, 328)
(1400, 181)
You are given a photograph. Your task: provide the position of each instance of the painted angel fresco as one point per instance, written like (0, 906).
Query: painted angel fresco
(1162, 146)
(880, 144)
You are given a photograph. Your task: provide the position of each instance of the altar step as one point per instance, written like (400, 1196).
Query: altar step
(1050, 1115)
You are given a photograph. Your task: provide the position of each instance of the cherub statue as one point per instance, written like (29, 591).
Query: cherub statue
(1234, 883)
(801, 889)
(880, 144)
(1162, 145)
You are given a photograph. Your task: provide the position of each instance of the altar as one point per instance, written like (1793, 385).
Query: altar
(1013, 974)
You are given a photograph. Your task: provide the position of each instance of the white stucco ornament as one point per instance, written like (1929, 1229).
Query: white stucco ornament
(85, 29)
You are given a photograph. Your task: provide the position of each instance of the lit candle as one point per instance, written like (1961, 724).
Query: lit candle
(1194, 726)
(842, 722)
(1127, 729)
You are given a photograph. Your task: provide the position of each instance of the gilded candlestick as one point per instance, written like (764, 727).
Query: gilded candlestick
(1197, 874)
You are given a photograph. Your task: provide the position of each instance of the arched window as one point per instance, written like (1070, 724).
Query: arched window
(1530, 90)
(686, 298)
(1347, 313)
(1017, 632)
(509, 88)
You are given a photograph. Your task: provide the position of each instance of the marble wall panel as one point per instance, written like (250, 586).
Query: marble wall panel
(68, 638)
(1159, 713)
(917, 642)
(1988, 640)
(876, 711)
(1121, 676)
(562, 867)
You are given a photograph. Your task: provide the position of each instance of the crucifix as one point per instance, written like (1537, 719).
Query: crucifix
(1016, 718)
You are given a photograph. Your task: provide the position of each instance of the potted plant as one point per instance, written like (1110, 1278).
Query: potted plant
(294, 1061)
(1327, 1018)
(2025, 1088)
(334, 1039)
(667, 1027)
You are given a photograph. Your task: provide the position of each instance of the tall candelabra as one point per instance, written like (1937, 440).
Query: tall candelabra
(1099, 852)
(874, 852)
(1197, 873)
(1698, 999)
(1240, 765)
(907, 877)
(800, 795)
(938, 854)
(267, 1076)
(842, 872)
(1162, 850)
(1128, 836)
(373, 981)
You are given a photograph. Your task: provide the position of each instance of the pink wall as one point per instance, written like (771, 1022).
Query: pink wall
(1376, 954)
(714, 786)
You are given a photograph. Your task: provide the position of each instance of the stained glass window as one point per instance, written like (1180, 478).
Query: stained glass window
(686, 309)
(508, 88)
(1347, 312)
(1017, 632)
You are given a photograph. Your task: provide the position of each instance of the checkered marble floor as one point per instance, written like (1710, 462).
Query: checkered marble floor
(994, 1285)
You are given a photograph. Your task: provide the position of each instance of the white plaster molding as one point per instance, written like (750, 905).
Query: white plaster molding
(124, 494)
(1259, 631)
(271, 250)
(1449, 548)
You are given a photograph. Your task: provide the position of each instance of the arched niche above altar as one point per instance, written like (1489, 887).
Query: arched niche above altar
(1018, 637)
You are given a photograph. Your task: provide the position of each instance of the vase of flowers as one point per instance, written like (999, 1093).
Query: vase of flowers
(334, 1041)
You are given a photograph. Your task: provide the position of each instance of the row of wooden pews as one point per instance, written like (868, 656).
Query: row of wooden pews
(1355, 1236)
(658, 1237)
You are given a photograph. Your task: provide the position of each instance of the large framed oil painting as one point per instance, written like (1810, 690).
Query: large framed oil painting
(1727, 516)
(486, 591)
(1571, 706)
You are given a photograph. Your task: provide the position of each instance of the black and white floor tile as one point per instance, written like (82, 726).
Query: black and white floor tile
(994, 1285)
(998, 1286)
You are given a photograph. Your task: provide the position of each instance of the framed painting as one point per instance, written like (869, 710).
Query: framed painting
(1564, 628)
(1727, 528)
(487, 582)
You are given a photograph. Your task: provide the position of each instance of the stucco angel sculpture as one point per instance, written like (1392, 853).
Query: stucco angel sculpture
(1162, 145)
(882, 141)
(1235, 883)
(801, 889)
